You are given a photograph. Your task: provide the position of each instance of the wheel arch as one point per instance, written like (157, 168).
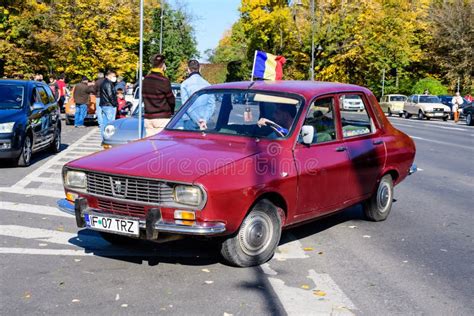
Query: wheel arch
(277, 199)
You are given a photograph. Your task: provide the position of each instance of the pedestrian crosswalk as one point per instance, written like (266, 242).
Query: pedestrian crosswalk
(33, 227)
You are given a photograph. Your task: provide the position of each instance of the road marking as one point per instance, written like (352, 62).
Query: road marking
(290, 250)
(440, 142)
(34, 209)
(298, 301)
(52, 236)
(40, 192)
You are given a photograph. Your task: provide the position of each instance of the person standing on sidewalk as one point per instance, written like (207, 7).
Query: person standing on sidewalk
(62, 92)
(98, 110)
(53, 85)
(82, 93)
(108, 99)
(201, 111)
(457, 101)
(158, 97)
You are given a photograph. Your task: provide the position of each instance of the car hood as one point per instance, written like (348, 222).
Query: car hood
(10, 115)
(431, 106)
(182, 159)
(126, 130)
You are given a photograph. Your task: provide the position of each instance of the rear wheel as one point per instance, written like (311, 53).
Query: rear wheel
(469, 119)
(406, 114)
(400, 114)
(257, 238)
(378, 207)
(389, 112)
(24, 160)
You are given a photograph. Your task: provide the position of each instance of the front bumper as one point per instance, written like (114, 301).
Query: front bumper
(198, 229)
(436, 114)
(9, 146)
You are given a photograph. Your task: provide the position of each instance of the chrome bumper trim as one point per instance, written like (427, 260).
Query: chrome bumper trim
(412, 169)
(211, 228)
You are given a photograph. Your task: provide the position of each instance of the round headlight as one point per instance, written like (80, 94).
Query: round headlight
(109, 131)
(75, 179)
(188, 195)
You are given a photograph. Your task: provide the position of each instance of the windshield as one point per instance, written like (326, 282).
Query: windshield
(398, 98)
(11, 96)
(243, 113)
(429, 99)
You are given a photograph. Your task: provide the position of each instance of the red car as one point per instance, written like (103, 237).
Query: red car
(240, 162)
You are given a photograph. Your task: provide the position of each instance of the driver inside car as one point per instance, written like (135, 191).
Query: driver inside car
(283, 117)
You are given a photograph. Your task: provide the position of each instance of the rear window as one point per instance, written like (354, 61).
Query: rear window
(398, 98)
(11, 96)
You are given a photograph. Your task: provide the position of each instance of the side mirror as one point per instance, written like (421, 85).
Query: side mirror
(307, 133)
(37, 106)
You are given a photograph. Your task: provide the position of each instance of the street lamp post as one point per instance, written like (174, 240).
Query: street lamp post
(312, 40)
(140, 73)
(161, 27)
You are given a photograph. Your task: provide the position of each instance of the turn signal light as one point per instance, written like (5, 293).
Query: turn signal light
(105, 146)
(71, 197)
(185, 215)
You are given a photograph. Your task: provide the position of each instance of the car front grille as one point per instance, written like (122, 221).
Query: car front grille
(123, 209)
(438, 110)
(130, 189)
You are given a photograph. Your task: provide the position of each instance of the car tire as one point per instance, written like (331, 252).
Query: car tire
(389, 112)
(420, 115)
(406, 114)
(55, 146)
(116, 239)
(469, 119)
(445, 118)
(378, 207)
(24, 160)
(400, 114)
(257, 238)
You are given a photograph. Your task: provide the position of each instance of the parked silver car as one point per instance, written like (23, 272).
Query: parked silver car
(425, 106)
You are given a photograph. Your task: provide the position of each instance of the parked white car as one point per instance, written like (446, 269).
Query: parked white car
(425, 106)
(352, 102)
(393, 104)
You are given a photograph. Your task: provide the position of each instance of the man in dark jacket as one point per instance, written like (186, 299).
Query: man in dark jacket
(108, 99)
(157, 96)
(81, 95)
(98, 110)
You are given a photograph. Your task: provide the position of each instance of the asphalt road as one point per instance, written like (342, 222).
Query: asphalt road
(419, 261)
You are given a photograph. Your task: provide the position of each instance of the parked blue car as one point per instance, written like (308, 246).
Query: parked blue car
(29, 120)
(125, 130)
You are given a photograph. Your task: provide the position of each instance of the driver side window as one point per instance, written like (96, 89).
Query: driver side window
(321, 116)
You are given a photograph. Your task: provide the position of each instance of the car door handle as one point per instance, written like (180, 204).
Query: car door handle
(341, 148)
(378, 142)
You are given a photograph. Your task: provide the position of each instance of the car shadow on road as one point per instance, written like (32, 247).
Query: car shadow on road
(187, 251)
(192, 251)
(35, 159)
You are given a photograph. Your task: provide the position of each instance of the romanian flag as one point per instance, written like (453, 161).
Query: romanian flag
(267, 66)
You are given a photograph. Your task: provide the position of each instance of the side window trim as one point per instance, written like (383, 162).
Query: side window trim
(335, 118)
(369, 113)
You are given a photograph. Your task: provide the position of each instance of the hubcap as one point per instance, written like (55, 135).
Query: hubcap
(58, 140)
(27, 150)
(383, 197)
(256, 233)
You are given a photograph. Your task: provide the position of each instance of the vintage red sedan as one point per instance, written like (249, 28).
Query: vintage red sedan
(240, 162)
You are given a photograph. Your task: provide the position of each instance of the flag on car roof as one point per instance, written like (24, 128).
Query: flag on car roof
(267, 66)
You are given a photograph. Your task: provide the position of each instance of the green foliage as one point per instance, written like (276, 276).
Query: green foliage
(179, 43)
(82, 37)
(432, 85)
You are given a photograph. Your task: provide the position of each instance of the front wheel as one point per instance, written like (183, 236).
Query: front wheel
(25, 156)
(377, 207)
(407, 115)
(389, 112)
(469, 119)
(420, 115)
(257, 238)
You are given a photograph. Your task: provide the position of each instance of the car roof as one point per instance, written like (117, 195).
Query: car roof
(395, 95)
(15, 81)
(305, 88)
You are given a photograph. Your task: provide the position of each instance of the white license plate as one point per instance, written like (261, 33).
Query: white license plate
(439, 114)
(113, 224)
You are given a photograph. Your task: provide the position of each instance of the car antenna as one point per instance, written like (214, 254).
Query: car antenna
(251, 84)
